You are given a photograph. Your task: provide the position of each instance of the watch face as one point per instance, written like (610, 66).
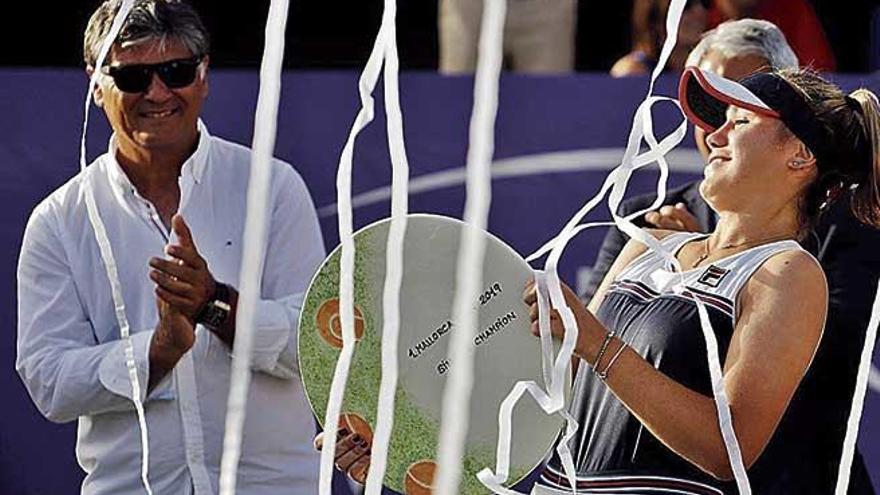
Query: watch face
(215, 314)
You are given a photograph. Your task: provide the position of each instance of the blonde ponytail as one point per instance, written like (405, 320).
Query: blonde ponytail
(866, 196)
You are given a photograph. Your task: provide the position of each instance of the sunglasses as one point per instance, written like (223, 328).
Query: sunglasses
(136, 78)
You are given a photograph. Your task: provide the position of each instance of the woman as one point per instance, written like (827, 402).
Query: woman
(782, 147)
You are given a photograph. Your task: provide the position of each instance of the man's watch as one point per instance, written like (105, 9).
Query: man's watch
(215, 312)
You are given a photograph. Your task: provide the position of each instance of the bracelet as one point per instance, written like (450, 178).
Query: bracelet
(608, 337)
(603, 375)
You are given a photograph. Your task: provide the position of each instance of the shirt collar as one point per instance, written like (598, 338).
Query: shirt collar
(194, 166)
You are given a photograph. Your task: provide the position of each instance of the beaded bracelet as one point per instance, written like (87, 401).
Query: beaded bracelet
(608, 337)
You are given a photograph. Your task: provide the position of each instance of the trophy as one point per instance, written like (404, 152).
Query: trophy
(505, 352)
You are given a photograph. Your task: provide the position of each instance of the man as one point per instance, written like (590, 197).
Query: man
(173, 199)
(846, 249)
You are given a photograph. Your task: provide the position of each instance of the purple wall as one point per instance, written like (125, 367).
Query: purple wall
(538, 116)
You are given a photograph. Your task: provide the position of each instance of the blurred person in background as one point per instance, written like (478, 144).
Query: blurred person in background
(539, 35)
(649, 32)
(796, 18)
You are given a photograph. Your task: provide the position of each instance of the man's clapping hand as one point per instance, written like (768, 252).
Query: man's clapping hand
(183, 281)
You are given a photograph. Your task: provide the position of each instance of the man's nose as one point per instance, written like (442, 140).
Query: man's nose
(157, 90)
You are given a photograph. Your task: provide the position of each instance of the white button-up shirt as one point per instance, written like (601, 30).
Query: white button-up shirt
(71, 358)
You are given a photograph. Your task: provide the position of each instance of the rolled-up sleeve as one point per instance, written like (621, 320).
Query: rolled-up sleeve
(294, 251)
(66, 371)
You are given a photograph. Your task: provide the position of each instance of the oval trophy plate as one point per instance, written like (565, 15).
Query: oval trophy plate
(504, 352)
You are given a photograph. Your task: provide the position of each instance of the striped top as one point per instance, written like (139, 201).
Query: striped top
(613, 452)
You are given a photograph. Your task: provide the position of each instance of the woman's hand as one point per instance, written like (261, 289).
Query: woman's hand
(352, 455)
(354, 438)
(591, 332)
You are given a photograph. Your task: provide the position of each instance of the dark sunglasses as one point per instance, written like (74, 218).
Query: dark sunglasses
(136, 78)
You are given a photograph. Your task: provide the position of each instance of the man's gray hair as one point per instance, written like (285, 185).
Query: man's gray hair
(746, 37)
(160, 20)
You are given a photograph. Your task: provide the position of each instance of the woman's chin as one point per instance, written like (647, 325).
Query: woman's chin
(708, 190)
(708, 170)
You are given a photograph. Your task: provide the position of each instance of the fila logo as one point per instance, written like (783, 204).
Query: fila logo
(712, 276)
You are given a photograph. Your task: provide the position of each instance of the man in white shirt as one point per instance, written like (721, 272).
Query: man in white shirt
(173, 200)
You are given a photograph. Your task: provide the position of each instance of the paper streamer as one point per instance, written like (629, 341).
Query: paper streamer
(393, 259)
(124, 327)
(367, 83)
(494, 480)
(855, 414)
(384, 49)
(254, 240)
(106, 44)
(469, 277)
(106, 250)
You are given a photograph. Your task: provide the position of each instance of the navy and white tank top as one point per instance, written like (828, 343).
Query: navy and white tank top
(612, 450)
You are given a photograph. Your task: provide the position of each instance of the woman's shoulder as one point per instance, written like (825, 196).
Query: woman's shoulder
(795, 265)
(787, 269)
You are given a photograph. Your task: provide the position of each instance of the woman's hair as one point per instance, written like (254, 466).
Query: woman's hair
(852, 123)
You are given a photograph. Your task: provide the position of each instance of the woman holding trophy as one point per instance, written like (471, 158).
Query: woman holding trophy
(783, 146)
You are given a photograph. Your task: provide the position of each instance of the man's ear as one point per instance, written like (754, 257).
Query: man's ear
(97, 91)
(803, 159)
(203, 75)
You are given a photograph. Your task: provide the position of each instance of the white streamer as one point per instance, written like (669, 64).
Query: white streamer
(107, 252)
(254, 240)
(855, 414)
(471, 251)
(106, 44)
(725, 418)
(393, 258)
(124, 327)
(366, 85)
(546, 402)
